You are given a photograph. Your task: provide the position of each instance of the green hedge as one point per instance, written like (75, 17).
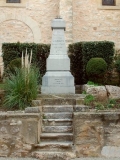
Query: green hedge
(82, 52)
(14, 50)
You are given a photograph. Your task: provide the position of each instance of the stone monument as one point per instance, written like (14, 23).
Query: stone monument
(58, 79)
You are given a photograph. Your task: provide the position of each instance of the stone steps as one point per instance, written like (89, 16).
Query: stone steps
(46, 155)
(57, 137)
(64, 115)
(52, 100)
(54, 146)
(56, 141)
(78, 89)
(58, 108)
(57, 122)
(57, 129)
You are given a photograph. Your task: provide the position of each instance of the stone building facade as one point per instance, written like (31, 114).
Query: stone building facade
(30, 21)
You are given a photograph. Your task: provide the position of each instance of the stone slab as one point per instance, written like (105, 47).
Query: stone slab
(111, 151)
(65, 115)
(58, 62)
(54, 155)
(57, 122)
(113, 91)
(54, 146)
(58, 23)
(58, 79)
(32, 110)
(57, 129)
(58, 137)
(57, 108)
(61, 82)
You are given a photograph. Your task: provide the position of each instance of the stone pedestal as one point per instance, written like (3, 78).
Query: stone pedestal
(58, 79)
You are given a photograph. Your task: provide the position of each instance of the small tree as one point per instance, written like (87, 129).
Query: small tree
(96, 67)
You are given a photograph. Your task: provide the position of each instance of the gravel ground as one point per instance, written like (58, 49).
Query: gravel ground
(97, 159)
(72, 159)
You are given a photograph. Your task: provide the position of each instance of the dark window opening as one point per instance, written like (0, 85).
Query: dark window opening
(13, 1)
(108, 2)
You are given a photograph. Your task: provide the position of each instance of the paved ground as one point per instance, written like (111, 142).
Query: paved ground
(73, 159)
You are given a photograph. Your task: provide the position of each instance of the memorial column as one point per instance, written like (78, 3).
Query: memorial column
(66, 12)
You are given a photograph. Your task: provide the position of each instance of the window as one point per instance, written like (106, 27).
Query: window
(13, 1)
(108, 2)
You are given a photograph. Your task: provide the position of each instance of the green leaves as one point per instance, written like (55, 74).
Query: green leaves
(96, 68)
(14, 50)
(82, 52)
(21, 88)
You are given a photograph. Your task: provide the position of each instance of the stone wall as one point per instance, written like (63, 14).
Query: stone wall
(85, 20)
(19, 132)
(92, 22)
(96, 134)
(40, 12)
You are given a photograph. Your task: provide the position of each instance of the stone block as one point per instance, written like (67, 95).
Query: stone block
(111, 151)
(36, 103)
(113, 91)
(98, 91)
(81, 108)
(32, 110)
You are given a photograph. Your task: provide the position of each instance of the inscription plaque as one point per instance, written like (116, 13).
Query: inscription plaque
(108, 2)
(58, 42)
(57, 82)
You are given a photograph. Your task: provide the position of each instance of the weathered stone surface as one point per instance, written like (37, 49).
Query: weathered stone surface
(57, 129)
(64, 115)
(56, 137)
(98, 91)
(96, 134)
(36, 103)
(54, 155)
(32, 110)
(81, 108)
(111, 151)
(58, 101)
(57, 108)
(57, 122)
(113, 91)
(18, 131)
(102, 93)
(54, 146)
(111, 131)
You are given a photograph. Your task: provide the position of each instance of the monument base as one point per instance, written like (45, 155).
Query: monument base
(58, 82)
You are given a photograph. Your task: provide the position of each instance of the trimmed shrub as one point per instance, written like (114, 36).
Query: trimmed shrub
(95, 68)
(82, 52)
